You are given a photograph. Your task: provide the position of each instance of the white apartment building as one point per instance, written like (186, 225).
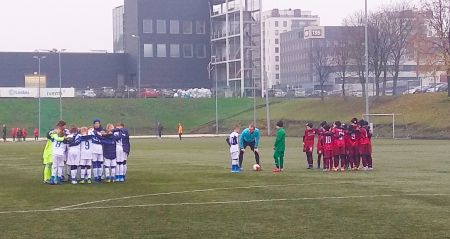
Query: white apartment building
(275, 22)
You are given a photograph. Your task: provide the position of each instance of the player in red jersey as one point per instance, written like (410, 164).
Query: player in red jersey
(356, 156)
(352, 147)
(327, 143)
(369, 156)
(319, 132)
(308, 143)
(339, 146)
(364, 144)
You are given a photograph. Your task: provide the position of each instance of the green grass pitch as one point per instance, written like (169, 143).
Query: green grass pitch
(406, 196)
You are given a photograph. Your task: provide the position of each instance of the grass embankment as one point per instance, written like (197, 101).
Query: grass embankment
(139, 115)
(420, 116)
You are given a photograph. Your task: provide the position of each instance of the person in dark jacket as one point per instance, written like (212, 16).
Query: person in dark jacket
(4, 133)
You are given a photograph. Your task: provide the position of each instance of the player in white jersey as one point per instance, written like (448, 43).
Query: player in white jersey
(126, 148)
(109, 153)
(85, 155)
(233, 142)
(120, 154)
(59, 149)
(97, 150)
(65, 170)
(73, 153)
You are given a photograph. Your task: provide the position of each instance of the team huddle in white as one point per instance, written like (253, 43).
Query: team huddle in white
(86, 152)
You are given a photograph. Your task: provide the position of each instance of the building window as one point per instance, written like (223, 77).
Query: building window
(148, 50)
(161, 50)
(277, 50)
(187, 27)
(277, 58)
(200, 27)
(201, 51)
(285, 24)
(276, 23)
(277, 33)
(277, 76)
(147, 26)
(277, 67)
(161, 26)
(188, 50)
(174, 27)
(174, 50)
(277, 41)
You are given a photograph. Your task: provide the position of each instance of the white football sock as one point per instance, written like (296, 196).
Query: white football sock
(83, 173)
(107, 172)
(88, 172)
(73, 174)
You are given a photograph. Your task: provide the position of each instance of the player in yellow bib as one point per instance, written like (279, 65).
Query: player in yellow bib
(47, 156)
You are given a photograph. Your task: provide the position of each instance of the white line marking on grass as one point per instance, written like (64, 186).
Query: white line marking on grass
(193, 191)
(207, 190)
(229, 202)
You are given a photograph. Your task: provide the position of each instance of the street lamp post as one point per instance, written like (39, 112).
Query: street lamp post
(60, 83)
(39, 58)
(60, 75)
(366, 85)
(267, 107)
(217, 95)
(250, 56)
(139, 62)
(210, 68)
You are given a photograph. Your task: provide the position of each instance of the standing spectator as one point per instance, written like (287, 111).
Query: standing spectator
(159, 129)
(19, 134)
(24, 134)
(36, 134)
(180, 130)
(13, 134)
(4, 133)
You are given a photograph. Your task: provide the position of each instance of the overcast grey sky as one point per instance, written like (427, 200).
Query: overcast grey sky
(83, 25)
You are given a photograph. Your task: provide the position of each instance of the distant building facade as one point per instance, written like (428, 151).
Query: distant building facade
(236, 47)
(274, 23)
(172, 40)
(79, 70)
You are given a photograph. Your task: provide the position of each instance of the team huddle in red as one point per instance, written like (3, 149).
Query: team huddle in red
(343, 147)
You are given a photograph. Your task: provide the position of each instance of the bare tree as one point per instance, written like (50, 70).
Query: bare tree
(380, 47)
(341, 59)
(321, 63)
(438, 19)
(357, 53)
(401, 19)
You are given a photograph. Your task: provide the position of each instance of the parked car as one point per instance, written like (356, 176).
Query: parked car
(107, 92)
(279, 93)
(88, 94)
(296, 93)
(149, 93)
(438, 88)
(412, 91)
(167, 93)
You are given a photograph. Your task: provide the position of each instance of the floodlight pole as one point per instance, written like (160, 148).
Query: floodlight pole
(139, 62)
(366, 85)
(217, 99)
(39, 58)
(60, 84)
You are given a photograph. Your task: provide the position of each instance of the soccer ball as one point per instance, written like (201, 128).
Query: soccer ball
(256, 167)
